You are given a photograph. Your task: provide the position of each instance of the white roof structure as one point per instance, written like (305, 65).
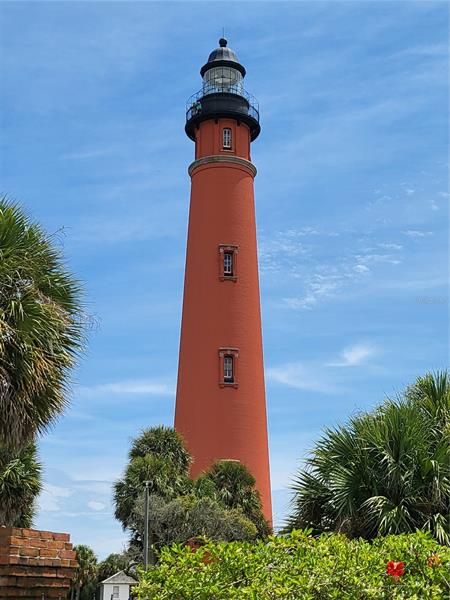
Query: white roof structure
(120, 577)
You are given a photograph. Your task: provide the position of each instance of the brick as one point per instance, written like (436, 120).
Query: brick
(32, 533)
(14, 550)
(70, 554)
(14, 531)
(16, 541)
(65, 572)
(61, 537)
(56, 544)
(27, 551)
(46, 535)
(29, 582)
(48, 553)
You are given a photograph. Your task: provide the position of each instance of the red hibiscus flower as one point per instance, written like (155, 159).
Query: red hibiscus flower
(395, 569)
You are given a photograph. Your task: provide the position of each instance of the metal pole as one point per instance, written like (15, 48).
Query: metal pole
(146, 526)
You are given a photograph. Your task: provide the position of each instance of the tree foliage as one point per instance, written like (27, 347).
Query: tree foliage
(86, 573)
(233, 486)
(384, 472)
(222, 503)
(163, 442)
(41, 329)
(164, 480)
(111, 565)
(189, 517)
(300, 567)
(20, 484)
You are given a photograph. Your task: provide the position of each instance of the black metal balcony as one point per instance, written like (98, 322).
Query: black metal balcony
(213, 102)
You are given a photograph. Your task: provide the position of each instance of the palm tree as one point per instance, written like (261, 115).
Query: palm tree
(234, 488)
(41, 330)
(163, 442)
(86, 572)
(112, 564)
(385, 472)
(20, 483)
(164, 479)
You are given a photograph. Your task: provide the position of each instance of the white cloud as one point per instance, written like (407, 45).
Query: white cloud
(374, 258)
(318, 288)
(141, 387)
(318, 269)
(85, 154)
(49, 499)
(415, 233)
(434, 205)
(390, 246)
(361, 268)
(300, 376)
(321, 376)
(354, 356)
(94, 505)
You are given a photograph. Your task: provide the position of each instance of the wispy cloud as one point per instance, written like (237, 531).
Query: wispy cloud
(354, 356)
(416, 233)
(87, 154)
(322, 376)
(50, 497)
(131, 387)
(300, 376)
(321, 265)
(318, 288)
(95, 505)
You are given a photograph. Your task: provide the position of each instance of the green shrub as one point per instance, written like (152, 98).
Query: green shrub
(301, 567)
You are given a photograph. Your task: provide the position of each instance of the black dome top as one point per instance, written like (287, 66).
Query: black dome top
(221, 57)
(223, 53)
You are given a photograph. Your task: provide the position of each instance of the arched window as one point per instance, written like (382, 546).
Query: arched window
(226, 138)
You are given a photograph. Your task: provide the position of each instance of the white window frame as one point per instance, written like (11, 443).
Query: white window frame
(227, 138)
(228, 368)
(116, 592)
(228, 263)
(225, 274)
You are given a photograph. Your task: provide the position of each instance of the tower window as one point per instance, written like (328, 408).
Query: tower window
(228, 360)
(228, 371)
(226, 138)
(228, 262)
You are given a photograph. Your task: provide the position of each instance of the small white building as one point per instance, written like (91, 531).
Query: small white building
(117, 587)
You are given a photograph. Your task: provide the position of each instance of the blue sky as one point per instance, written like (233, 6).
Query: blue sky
(352, 200)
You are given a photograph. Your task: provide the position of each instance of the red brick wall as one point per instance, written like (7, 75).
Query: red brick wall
(35, 564)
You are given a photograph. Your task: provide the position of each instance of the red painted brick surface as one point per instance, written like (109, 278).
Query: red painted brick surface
(35, 564)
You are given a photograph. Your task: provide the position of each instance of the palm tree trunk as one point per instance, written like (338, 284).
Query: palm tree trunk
(77, 597)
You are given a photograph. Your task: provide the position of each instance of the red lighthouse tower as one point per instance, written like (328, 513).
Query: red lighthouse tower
(220, 405)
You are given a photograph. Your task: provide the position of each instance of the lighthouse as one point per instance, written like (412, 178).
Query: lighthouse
(220, 403)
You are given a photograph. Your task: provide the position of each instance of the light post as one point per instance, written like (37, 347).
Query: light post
(146, 483)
